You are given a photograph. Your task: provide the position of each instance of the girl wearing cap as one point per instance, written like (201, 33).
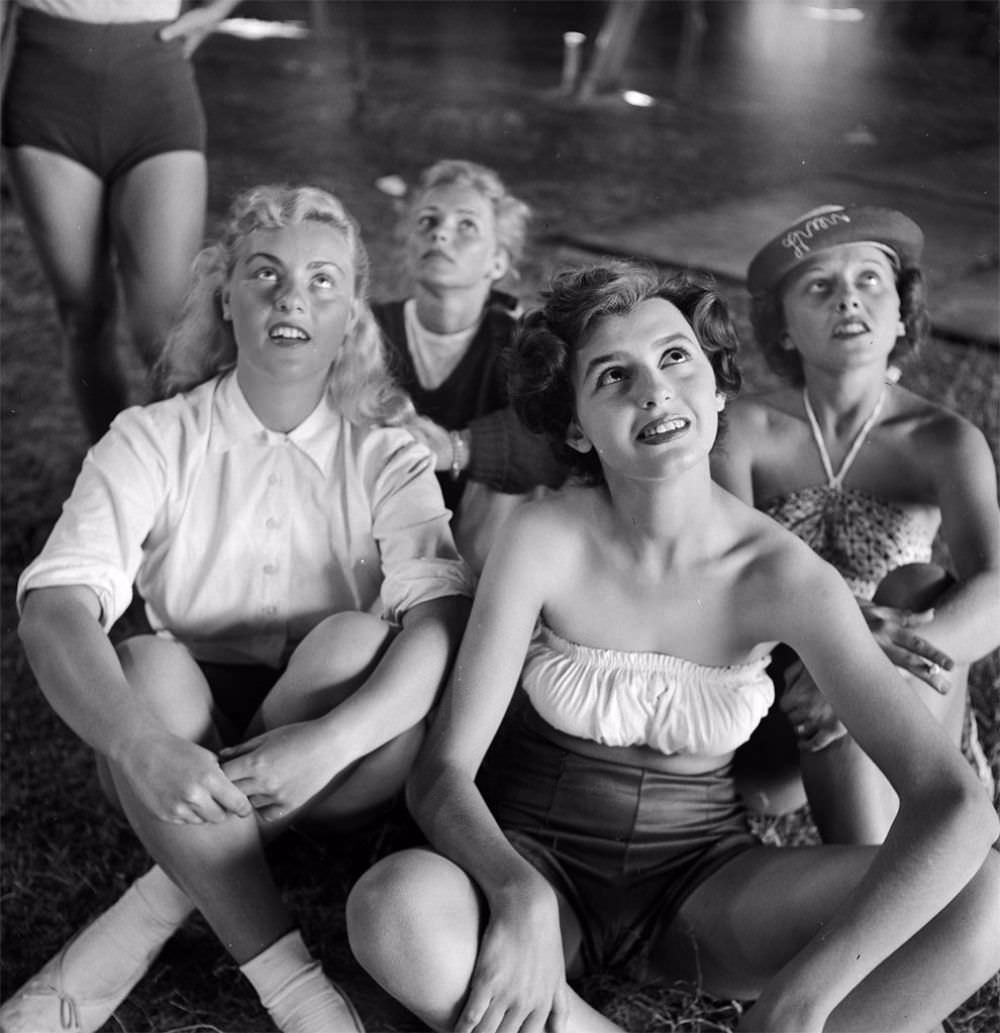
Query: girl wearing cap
(290, 541)
(636, 610)
(868, 474)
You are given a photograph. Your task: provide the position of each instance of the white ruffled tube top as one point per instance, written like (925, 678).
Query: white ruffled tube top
(644, 699)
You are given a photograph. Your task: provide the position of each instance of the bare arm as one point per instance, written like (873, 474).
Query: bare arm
(945, 824)
(196, 24)
(966, 623)
(284, 768)
(80, 675)
(406, 683)
(520, 967)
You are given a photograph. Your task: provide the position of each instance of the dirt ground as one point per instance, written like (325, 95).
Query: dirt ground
(476, 80)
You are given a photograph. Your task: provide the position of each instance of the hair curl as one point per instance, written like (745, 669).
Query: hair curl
(201, 345)
(541, 357)
(767, 316)
(510, 215)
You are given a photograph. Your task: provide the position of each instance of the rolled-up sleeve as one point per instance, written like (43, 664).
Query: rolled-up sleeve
(411, 526)
(97, 540)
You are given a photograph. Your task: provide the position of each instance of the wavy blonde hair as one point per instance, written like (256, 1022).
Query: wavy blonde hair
(201, 345)
(510, 215)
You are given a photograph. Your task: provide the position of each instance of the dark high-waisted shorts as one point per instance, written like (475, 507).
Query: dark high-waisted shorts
(625, 845)
(238, 690)
(106, 95)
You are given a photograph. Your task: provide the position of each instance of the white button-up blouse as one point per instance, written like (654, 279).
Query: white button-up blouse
(241, 539)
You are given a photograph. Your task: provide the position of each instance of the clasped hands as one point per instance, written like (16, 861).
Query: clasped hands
(272, 774)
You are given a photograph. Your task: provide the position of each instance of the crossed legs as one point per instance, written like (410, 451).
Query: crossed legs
(414, 922)
(221, 867)
(415, 919)
(746, 921)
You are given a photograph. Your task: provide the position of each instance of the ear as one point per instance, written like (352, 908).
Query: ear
(576, 439)
(720, 401)
(500, 266)
(901, 329)
(226, 313)
(353, 316)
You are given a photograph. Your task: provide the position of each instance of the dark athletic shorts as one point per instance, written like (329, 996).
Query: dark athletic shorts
(108, 96)
(625, 845)
(239, 689)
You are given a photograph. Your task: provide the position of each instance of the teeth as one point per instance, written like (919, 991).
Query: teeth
(665, 426)
(289, 333)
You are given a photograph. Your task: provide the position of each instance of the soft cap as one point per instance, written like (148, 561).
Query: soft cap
(827, 227)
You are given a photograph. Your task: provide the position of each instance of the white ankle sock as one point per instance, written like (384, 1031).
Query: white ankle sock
(296, 992)
(167, 902)
(118, 946)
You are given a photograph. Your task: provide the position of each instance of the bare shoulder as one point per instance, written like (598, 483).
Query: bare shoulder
(762, 411)
(786, 579)
(550, 526)
(760, 427)
(939, 435)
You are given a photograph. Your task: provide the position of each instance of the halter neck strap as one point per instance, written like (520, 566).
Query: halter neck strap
(836, 480)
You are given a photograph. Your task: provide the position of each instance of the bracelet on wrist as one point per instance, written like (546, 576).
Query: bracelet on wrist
(459, 453)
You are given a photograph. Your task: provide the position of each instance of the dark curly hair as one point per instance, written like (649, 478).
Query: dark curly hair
(767, 316)
(540, 359)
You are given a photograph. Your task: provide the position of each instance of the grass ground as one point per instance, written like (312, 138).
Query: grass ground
(285, 111)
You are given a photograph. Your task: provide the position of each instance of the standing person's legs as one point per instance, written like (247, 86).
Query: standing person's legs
(63, 204)
(157, 220)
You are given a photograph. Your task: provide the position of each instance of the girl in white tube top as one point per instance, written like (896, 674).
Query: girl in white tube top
(866, 473)
(638, 609)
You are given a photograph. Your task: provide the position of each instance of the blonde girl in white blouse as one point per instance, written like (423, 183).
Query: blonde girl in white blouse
(304, 597)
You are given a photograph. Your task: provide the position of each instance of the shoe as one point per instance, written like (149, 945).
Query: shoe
(351, 1020)
(42, 1005)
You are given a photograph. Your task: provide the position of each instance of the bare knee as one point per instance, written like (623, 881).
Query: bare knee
(329, 664)
(149, 325)
(357, 636)
(169, 679)
(413, 924)
(384, 913)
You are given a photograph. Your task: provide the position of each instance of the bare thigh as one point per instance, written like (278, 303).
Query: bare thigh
(744, 922)
(157, 223)
(165, 674)
(330, 664)
(63, 205)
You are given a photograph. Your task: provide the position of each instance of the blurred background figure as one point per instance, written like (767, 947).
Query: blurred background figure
(104, 142)
(464, 232)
